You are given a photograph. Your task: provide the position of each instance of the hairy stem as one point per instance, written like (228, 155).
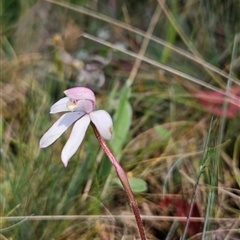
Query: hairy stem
(124, 180)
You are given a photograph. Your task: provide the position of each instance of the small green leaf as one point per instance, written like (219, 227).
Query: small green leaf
(137, 185)
(163, 132)
(121, 122)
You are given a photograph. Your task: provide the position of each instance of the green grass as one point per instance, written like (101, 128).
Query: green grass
(172, 51)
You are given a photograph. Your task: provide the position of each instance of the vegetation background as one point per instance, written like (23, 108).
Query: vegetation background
(162, 69)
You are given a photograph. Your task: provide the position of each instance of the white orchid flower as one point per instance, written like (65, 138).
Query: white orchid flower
(80, 104)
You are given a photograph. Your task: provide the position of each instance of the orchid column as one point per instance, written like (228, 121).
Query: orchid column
(80, 105)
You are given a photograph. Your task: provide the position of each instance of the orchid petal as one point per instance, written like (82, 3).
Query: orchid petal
(103, 122)
(60, 106)
(58, 128)
(75, 139)
(80, 93)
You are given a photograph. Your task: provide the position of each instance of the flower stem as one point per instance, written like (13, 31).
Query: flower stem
(124, 180)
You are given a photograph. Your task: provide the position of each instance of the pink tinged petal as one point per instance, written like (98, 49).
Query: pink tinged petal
(58, 128)
(60, 106)
(75, 139)
(84, 105)
(81, 93)
(103, 122)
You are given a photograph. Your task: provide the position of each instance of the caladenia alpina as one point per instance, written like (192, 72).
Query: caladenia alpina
(79, 104)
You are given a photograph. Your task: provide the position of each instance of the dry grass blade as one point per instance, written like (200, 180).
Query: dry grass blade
(144, 45)
(185, 38)
(109, 20)
(231, 98)
(110, 217)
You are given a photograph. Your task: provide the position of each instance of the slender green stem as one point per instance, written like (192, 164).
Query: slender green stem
(124, 180)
